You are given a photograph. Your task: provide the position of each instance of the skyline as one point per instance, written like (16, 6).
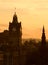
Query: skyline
(32, 14)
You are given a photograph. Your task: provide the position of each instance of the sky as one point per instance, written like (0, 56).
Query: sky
(33, 14)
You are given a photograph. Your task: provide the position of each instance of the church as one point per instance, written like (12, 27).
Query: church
(10, 43)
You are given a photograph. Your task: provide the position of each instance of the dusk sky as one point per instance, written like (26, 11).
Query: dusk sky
(32, 13)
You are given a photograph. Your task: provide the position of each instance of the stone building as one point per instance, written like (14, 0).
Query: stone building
(10, 43)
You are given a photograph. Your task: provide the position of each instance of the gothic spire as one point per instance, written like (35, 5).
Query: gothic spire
(43, 30)
(43, 37)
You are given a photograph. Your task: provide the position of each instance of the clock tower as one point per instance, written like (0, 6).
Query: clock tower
(15, 39)
(15, 31)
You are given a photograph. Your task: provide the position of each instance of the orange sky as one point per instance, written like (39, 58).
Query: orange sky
(32, 13)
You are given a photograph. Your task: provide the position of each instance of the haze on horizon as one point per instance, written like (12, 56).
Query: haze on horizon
(32, 13)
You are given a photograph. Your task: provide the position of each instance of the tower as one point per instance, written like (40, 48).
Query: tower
(15, 30)
(15, 39)
(11, 43)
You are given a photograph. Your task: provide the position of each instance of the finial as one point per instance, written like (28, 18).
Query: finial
(15, 10)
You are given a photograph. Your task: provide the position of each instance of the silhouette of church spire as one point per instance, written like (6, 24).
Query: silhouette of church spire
(43, 37)
(15, 19)
(43, 30)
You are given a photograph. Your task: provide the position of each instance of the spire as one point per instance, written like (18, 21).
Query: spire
(43, 37)
(15, 19)
(15, 12)
(43, 30)
(43, 33)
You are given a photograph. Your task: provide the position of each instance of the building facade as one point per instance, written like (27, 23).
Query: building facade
(10, 43)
